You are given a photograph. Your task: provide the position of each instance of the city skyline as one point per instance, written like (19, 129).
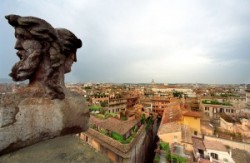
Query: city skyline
(135, 42)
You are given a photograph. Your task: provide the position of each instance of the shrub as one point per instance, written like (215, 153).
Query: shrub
(95, 108)
(178, 158)
(116, 136)
(149, 123)
(93, 126)
(215, 102)
(120, 138)
(104, 103)
(100, 116)
(124, 118)
(143, 118)
(103, 131)
(165, 146)
(157, 158)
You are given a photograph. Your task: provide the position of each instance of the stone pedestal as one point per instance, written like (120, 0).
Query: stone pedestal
(28, 120)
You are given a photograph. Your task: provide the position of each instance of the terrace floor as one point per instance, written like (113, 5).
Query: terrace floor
(65, 149)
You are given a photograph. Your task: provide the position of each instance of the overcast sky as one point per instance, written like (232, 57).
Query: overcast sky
(178, 41)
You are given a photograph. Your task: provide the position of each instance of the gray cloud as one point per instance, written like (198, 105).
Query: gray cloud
(126, 41)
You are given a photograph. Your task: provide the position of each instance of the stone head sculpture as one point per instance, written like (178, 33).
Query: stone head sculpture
(69, 43)
(43, 52)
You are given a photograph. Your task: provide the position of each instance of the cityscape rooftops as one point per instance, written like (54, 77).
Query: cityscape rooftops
(227, 118)
(198, 143)
(169, 128)
(214, 145)
(192, 114)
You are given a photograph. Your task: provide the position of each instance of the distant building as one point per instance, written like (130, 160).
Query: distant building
(97, 100)
(248, 98)
(159, 104)
(238, 102)
(192, 103)
(116, 105)
(147, 105)
(192, 119)
(131, 102)
(153, 82)
(214, 108)
(186, 91)
(213, 151)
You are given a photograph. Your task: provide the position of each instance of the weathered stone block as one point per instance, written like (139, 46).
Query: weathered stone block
(35, 119)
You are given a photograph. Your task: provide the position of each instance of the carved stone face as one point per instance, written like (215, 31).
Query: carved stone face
(29, 51)
(68, 62)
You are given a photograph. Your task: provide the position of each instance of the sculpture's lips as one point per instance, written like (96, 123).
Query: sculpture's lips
(19, 54)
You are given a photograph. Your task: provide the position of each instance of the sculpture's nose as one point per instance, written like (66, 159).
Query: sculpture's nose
(18, 45)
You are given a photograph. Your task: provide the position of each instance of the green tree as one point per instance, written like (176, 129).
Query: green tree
(104, 103)
(177, 94)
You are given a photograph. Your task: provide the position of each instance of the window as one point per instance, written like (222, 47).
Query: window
(214, 156)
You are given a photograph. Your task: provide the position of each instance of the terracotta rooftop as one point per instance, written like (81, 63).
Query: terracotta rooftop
(198, 143)
(215, 145)
(172, 113)
(227, 118)
(169, 128)
(204, 161)
(192, 114)
(113, 124)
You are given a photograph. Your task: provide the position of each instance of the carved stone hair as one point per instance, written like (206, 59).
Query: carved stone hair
(69, 42)
(38, 28)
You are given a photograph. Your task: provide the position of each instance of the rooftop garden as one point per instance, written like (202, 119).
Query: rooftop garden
(229, 95)
(94, 108)
(121, 138)
(100, 113)
(116, 136)
(215, 102)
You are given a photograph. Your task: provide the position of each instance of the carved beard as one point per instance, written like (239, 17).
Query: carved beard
(23, 69)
